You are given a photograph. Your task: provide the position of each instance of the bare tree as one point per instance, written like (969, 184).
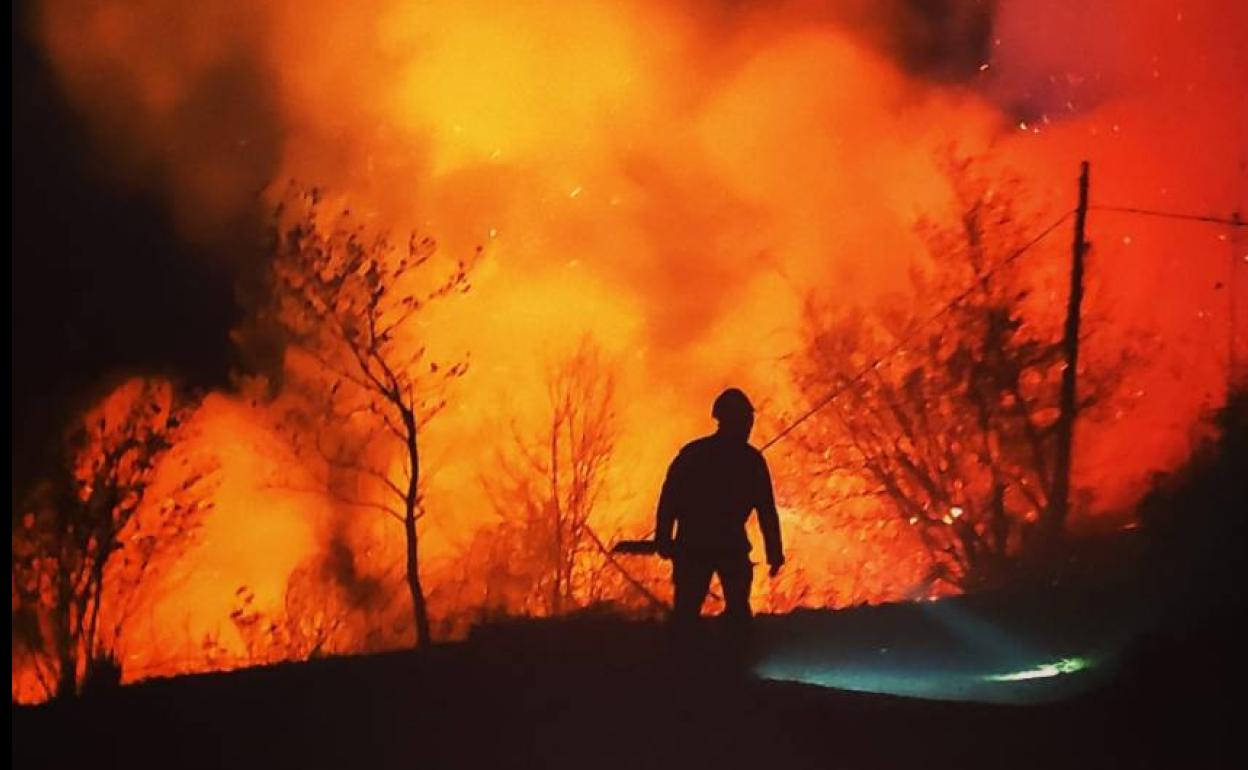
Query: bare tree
(328, 607)
(545, 486)
(351, 303)
(90, 538)
(953, 431)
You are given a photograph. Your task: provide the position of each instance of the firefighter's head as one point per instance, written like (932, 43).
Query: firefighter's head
(735, 414)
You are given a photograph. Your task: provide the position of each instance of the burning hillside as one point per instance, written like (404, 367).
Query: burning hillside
(541, 236)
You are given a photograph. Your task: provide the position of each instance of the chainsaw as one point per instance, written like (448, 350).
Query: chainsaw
(636, 547)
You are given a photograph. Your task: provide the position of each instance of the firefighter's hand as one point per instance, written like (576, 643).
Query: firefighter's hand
(775, 568)
(665, 549)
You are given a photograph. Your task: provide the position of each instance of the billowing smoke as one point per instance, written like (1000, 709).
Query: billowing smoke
(672, 178)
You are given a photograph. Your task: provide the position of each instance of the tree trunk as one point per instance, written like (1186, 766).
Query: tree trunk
(67, 676)
(556, 591)
(65, 638)
(420, 611)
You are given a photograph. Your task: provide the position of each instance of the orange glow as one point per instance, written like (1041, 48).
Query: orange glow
(670, 179)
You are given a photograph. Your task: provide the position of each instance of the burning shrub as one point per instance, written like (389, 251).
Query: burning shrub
(93, 536)
(944, 418)
(544, 558)
(350, 304)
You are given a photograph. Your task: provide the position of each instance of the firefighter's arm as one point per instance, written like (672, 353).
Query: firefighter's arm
(769, 519)
(666, 517)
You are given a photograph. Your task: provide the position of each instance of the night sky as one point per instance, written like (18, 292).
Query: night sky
(102, 284)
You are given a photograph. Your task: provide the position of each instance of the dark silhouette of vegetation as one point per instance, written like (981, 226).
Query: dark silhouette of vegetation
(351, 304)
(545, 486)
(93, 535)
(953, 433)
(328, 608)
(1193, 520)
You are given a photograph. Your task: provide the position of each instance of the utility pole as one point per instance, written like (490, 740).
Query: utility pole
(1232, 321)
(1059, 497)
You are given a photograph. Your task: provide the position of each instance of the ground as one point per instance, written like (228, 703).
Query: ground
(597, 692)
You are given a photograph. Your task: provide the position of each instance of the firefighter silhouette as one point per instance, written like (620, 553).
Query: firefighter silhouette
(711, 488)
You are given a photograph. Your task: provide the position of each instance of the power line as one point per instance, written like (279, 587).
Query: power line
(908, 337)
(901, 344)
(1229, 222)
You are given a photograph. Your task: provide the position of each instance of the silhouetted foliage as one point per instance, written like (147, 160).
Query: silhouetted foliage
(92, 536)
(1193, 519)
(953, 432)
(544, 487)
(327, 608)
(351, 303)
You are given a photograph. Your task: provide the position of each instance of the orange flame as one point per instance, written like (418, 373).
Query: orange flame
(670, 179)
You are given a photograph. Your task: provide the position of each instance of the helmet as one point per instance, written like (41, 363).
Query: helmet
(730, 404)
